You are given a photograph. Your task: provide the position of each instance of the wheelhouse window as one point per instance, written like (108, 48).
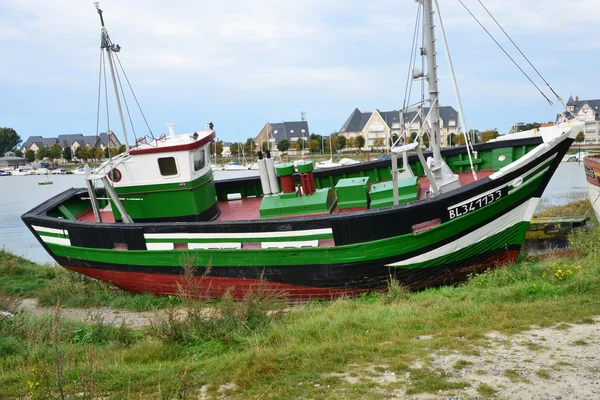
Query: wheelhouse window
(167, 166)
(198, 158)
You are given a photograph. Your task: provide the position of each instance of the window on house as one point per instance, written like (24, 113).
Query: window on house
(291, 131)
(304, 130)
(198, 158)
(167, 166)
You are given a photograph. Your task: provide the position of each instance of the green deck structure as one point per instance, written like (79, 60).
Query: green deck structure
(382, 194)
(290, 204)
(352, 193)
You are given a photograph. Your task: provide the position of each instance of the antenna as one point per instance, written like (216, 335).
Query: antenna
(303, 115)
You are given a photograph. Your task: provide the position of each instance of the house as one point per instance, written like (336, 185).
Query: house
(227, 149)
(377, 125)
(11, 161)
(587, 111)
(73, 141)
(107, 139)
(273, 133)
(36, 142)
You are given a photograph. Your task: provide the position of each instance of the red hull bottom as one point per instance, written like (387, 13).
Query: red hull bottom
(238, 288)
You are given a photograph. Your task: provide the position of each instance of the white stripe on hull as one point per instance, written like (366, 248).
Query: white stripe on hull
(55, 240)
(524, 212)
(48, 230)
(241, 235)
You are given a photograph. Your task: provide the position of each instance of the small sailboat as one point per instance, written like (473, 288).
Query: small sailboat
(307, 234)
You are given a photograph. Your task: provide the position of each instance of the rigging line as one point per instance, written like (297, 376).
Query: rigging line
(99, 92)
(524, 56)
(508, 55)
(456, 92)
(412, 56)
(134, 96)
(126, 105)
(415, 47)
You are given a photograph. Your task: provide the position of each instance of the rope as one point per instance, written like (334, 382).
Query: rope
(524, 56)
(413, 58)
(508, 55)
(126, 105)
(134, 96)
(455, 87)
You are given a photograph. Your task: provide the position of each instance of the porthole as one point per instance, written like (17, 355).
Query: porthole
(115, 175)
(501, 157)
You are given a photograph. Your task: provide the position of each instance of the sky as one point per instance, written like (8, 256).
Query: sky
(240, 64)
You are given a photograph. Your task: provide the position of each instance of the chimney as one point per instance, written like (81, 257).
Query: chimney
(576, 98)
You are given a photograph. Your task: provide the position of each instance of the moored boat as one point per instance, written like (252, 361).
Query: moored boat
(591, 165)
(309, 234)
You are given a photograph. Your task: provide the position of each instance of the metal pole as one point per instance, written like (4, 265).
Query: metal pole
(111, 192)
(112, 72)
(94, 200)
(432, 80)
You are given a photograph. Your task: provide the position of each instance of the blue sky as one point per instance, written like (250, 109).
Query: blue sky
(240, 64)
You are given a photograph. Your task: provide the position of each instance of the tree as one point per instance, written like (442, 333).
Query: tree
(314, 145)
(93, 152)
(55, 151)
(249, 147)
(18, 153)
(265, 146)
(351, 143)
(459, 140)
(489, 135)
(113, 152)
(235, 149)
(580, 137)
(67, 153)
(85, 153)
(219, 147)
(360, 142)
(394, 139)
(340, 142)
(30, 155)
(98, 153)
(8, 140)
(378, 142)
(42, 153)
(283, 145)
(122, 149)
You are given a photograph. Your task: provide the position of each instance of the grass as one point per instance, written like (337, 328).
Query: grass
(245, 350)
(573, 208)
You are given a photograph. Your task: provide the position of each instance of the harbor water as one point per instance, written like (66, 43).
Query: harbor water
(22, 193)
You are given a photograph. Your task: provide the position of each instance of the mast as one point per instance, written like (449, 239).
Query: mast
(109, 47)
(445, 179)
(432, 82)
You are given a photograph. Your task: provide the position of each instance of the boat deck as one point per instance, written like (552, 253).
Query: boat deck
(248, 208)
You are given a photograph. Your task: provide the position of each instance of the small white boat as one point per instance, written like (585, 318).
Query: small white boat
(79, 170)
(348, 161)
(4, 173)
(234, 166)
(59, 171)
(42, 171)
(215, 167)
(253, 166)
(577, 157)
(22, 172)
(328, 164)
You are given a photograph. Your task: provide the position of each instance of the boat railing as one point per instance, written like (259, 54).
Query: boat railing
(107, 166)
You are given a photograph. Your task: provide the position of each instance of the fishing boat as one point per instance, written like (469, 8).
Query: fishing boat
(307, 234)
(591, 165)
